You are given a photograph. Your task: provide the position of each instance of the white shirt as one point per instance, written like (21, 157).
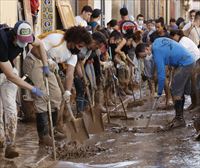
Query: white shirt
(187, 26)
(80, 21)
(59, 53)
(190, 46)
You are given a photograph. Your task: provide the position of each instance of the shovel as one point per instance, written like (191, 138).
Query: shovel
(135, 102)
(50, 118)
(125, 117)
(153, 108)
(92, 119)
(75, 128)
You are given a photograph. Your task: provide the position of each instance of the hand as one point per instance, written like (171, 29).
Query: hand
(37, 92)
(46, 71)
(66, 96)
(53, 65)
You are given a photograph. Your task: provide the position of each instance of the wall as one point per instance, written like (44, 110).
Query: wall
(8, 12)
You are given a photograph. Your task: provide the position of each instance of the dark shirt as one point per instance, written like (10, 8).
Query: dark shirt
(155, 35)
(8, 50)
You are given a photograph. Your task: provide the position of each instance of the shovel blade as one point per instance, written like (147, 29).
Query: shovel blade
(76, 131)
(93, 121)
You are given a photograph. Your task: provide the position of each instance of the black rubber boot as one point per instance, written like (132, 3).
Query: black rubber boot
(43, 129)
(11, 152)
(178, 120)
(54, 117)
(57, 134)
(178, 106)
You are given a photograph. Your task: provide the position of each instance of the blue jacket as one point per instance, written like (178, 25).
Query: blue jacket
(169, 52)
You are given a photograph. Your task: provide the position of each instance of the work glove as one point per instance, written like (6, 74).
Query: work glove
(66, 96)
(53, 66)
(37, 92)
(46, 70)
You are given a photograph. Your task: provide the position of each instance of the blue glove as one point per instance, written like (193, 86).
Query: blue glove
(37, 92)
(46, 70)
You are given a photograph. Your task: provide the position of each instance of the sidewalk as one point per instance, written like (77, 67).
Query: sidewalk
(27, 145)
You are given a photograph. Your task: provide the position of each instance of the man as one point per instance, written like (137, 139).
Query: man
(140, 22)
(61, 47)
(84, 18)
(193, 32)
(191, 20)
(178, 36)
(125, 23)
(161, 30)
(12, 43)
(95, 19)
(175, 55)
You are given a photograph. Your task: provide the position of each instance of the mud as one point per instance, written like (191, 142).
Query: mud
(73, 150)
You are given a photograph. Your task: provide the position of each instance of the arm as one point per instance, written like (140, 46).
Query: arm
(7, 69)
(39, 51)
(160, 73)
(120, 46)
(69, 77)
(187, 31)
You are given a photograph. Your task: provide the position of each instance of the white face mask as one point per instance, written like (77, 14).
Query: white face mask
(20, 44)
(140, 22)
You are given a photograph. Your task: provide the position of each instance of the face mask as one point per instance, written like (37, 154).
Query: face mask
(99, 22)
(113, 46)
(140, 22)
(74, 50)
(20, 44)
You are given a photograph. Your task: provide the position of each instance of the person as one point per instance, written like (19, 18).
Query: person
(177, 56)
(193, 32)
(125, 23)
(191, 20)
(84, 18)
(178, 36)
(172, 24)
(140, 22)
(161, 30)
(112, 25)
(95, 19)
(61, 47)
(12, 43)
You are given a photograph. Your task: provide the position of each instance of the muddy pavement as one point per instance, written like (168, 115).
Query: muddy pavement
(124, 144)
(131, 144)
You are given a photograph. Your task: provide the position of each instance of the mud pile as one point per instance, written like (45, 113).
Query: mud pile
(73, 150)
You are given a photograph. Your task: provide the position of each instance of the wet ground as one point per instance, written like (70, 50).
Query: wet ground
(132, 143)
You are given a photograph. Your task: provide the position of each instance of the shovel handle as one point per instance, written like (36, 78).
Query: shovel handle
(153, 108)
(50, 118)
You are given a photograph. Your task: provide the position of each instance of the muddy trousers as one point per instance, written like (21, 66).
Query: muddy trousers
(42, 122)
(178, 106)
(8, 111)
(81, 102)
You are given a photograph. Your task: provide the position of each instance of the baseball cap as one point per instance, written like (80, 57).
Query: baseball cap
(23, 32)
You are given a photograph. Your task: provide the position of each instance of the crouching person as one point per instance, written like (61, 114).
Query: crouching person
(62, 47)
(168, 52)
(12, 43)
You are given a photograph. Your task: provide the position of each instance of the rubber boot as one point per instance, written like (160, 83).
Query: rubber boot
(43, 129)
(178, 121)
(11, 152)
(197, 127)
(1, 149)
(99, 99)
(57, 134)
